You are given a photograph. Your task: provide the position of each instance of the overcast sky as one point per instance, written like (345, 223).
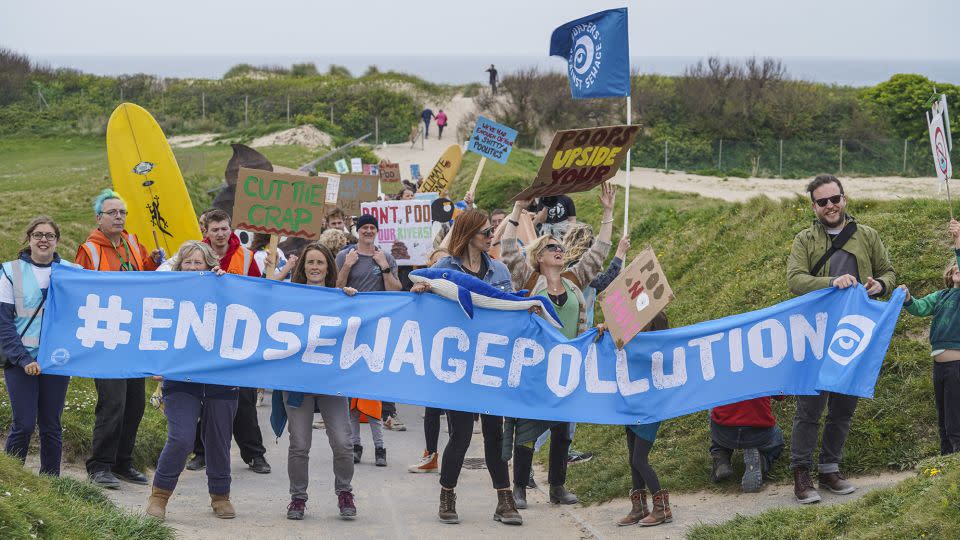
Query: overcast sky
(839, 28)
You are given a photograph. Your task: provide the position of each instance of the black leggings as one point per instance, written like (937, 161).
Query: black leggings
(641, 472)
(461, 431)
(431, 429)
(559, 447)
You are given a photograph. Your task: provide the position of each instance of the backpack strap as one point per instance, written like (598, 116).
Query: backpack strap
(838, 243)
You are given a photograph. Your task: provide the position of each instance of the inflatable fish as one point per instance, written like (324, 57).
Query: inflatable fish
(470, 291)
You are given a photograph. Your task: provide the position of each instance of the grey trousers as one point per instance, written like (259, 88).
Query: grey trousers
(376, 429)
(806, 427)
(335, 411)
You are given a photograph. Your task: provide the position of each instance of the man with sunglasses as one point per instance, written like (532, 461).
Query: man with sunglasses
(120, 402)
(836, 251)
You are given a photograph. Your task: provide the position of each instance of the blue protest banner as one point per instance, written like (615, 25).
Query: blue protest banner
(422, 349)
(597, 50)
(492, 140)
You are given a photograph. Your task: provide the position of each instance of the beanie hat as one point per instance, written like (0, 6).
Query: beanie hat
(367, 219)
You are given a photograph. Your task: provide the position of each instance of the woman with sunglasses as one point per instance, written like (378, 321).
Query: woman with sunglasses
(36, 400)
(543, 272)
(470, 240)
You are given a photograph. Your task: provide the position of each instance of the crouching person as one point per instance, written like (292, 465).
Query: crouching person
(749, 426)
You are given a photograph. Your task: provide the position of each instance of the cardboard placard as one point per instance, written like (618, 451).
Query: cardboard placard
(492, 140)
(635, 297)
(356, 189)
(333, 188)
(406, 229)
(580, 159)
(278, 203)
(938, 123)
(389, 172)
(356, 165)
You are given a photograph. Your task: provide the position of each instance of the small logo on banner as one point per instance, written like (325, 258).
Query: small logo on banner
(584, 61)
(851, 338)
(60, 357)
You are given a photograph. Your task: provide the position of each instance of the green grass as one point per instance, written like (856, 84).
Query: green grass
(34, 506)
(927, 506)
(726, 258)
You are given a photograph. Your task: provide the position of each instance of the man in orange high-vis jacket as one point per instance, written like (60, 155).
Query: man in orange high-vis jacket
(234, 259)
(120, 402)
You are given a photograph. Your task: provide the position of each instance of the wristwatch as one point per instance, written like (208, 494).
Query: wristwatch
(386, 270)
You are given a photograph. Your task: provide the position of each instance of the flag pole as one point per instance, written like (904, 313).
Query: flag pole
(626, 199)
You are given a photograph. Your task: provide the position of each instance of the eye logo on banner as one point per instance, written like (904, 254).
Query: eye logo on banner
(585, 56)
(597, 52)
(852, 337)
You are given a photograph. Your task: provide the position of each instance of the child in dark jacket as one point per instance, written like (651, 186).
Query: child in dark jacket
(749, 426)
(944, 306)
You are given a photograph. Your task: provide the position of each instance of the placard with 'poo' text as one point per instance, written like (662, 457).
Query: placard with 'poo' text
(635, 297)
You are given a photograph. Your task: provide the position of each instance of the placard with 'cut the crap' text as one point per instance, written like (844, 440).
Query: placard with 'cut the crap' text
(279, 203)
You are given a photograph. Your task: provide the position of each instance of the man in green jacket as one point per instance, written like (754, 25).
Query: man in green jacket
(862, 259)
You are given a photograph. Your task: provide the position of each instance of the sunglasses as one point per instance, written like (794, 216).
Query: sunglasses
(823, 202)
(488, 232)
(556, 248)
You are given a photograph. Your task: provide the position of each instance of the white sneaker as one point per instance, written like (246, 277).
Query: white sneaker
(393, 423)
(428, 464)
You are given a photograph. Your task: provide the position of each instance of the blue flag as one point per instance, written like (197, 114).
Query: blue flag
(597, 50)
(422, 349)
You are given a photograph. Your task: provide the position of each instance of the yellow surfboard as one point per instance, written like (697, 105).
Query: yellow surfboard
(145, 173)
(443, 173)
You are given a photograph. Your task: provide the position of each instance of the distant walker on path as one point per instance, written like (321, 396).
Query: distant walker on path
(493, 79)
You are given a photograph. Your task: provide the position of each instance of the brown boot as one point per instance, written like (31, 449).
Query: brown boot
(506, 511)
(639, 511)
(448, 506)
(661, 510)
(157, 503)
(222, 507)
(803, 486)
(836, 483)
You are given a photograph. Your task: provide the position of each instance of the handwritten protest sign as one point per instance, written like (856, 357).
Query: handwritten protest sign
(406, 229)
(580, 159)
(280, 204)
(635, 297)
(356, 165)
(492, 140)
(341, 165)
(333, 188)
(389, 172)
(415, 171)
(443, 173)
(356, 189)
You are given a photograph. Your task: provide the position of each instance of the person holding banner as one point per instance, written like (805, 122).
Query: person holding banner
(470, 240)
(120, 402)
(316, 267)
(836, 251)
(36, 399)
(282, 267)
(187, 402)
(543, 272)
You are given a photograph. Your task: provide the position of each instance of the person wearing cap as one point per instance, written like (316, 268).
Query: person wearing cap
(365, 267)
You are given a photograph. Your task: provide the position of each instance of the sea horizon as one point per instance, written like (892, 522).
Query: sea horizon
(466, 69)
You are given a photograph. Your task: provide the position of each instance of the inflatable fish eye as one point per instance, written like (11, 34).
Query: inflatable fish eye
(441, 210)
(246, 238)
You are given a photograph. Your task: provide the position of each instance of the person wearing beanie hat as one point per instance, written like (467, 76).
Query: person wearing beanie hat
(367, 219)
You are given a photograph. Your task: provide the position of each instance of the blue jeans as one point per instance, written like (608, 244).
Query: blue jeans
(726, 439)
(37, 401)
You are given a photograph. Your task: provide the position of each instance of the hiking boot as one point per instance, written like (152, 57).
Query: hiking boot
(380, 457)
(393, 423)
(357, 452)
(348, 510)
(105, 479)
(428, 464)
(506, 511)
(222, 507)
(836, 483)
(157, 503)
(259, 465)
(129, 474)
(639, 510)
(448, 506)
(722, 469)
(520, 496)
(661, 512)
(560, 495)
(578, 457)
(296, 508)
(752, 479)
(803, 486)
(197, 463)
(531, 483)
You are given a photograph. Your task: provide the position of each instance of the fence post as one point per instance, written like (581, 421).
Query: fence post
(121, 94)
(841, 156)
(666, 155)
(376, 129)
(288, 108)
(720, 156)
(904, 170)
(203, 105)
(781, 158)
(331, 114)
(246, 109)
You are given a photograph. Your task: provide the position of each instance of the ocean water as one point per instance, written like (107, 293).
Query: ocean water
(466, 69)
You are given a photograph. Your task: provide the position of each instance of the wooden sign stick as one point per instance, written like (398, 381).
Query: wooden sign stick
(476, 177)
(271, 257)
